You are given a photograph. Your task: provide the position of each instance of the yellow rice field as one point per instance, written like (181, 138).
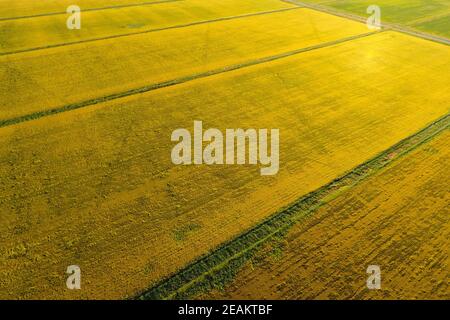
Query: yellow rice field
(50, 30)
(20, 8)
(96, 186)
(397, 219)
(92, 70)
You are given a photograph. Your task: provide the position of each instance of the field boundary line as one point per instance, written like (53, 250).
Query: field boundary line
(186, 25)
(207, 271)
(141, 4)
(169, 83)
(428, 19)
(384, 25)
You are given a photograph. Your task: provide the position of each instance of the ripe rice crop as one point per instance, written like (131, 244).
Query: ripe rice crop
(424, 15)
(397, 219)
(96, 185)
(50, 30)
(91, 71)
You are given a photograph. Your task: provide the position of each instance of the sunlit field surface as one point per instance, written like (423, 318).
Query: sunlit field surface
(398, 219)
(86, 176)
(97, 186)
(92, 70)
(48, 30)
(27, 8)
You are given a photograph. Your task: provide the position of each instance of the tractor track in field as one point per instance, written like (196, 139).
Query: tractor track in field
(89, 10)
(219, 266)
(384, 25)
(90, 102)
(128, 34)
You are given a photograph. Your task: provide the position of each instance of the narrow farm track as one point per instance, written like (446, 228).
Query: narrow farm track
(128, 34)
(89, 10)
(384, 25)
(207, 272)
(69, 107)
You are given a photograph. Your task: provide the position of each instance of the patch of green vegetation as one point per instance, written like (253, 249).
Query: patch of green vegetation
(150, 267)
(403, 12)
(182, 233)
(440, 26)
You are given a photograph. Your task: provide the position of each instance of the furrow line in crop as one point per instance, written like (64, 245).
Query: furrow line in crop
(82, 104)
(191, 24)
(220, 265)
(89, 9)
